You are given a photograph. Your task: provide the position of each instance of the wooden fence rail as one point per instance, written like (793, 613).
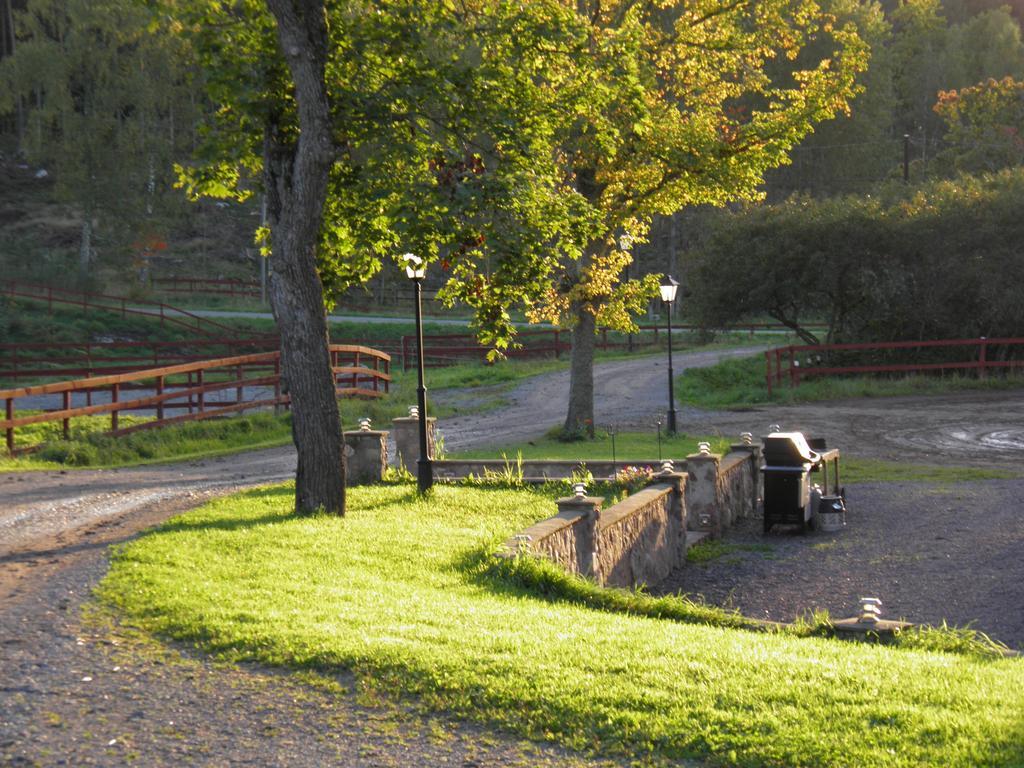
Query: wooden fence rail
(86, 359)
(215, 286)
(166, 314)
(792, 364)
(358, 371)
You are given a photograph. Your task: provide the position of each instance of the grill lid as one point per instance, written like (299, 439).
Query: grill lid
(788, 448)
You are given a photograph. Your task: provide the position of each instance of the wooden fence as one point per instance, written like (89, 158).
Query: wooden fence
(448, 349)
(200, 388)
(84, 300)
(100, 358)
(216, 287)
(793, 364)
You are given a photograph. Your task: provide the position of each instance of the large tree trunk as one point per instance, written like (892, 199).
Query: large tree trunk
(580, 419)
(296, 186)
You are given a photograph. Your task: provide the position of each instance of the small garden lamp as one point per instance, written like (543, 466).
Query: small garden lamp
(416, 270)
(668, 288)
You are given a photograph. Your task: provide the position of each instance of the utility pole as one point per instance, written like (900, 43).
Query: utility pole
(906, 158)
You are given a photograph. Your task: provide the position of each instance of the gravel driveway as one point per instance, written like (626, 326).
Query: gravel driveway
(930, 552)
(82, 692)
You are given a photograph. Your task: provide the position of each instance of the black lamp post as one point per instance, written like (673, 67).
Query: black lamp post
(415, 269)
(668, 290)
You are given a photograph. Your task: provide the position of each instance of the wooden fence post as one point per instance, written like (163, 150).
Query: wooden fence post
(768, 371)
(10, 430)
(982, 358)
(202, 392)
(277, 384)
(115, 397)
(66, 422)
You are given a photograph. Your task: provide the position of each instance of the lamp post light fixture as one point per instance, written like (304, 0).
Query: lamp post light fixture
(668, 288)
(416, 270)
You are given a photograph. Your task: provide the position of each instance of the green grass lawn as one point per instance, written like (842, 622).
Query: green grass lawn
(90, 448)
(399, 592)
(740, 383)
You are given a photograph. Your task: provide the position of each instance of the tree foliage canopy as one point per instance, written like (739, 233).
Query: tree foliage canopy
(690, 103)
(937, 261)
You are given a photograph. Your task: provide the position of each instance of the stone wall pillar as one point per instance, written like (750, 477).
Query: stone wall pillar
(677, 511)
(588, 509)
(754, 468)
(406, 431)
(367, 452)
(703, 504)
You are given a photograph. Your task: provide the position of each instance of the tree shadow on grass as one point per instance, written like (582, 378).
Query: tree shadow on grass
(286, 514)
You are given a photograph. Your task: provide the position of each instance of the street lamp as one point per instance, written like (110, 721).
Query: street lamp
(668, 290)
(415, 269)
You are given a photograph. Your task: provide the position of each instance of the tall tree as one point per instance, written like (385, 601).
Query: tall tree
(374, 128)
(924, 64)
(853, 151)
(985, 126)
(684, 108)
(106, 89)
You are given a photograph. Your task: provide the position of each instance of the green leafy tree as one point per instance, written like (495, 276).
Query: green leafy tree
(935, 261)
(989, 46)
(924, 63)
(684, 107)
(985, 125)
(856, 149)
(109, 97)
(375, 128)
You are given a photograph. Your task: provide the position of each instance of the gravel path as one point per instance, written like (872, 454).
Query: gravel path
(87, 692)
(930, 552)
(626, 392)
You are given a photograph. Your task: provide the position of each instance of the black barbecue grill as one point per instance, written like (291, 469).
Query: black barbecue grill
(788, 463)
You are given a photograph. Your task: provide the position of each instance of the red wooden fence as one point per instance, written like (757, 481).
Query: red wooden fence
(166, 314)
(218, 287)
(794, 363)
(358, 371)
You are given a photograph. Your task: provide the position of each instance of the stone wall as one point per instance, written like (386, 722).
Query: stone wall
(640, 540)
(643, 538)
(737, 487)
(566, 539)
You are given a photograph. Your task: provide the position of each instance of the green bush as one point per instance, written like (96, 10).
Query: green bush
(938, 261)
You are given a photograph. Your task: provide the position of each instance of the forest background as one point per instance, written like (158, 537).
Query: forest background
(898, 220)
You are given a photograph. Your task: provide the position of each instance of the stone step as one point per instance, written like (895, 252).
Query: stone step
(695, 537)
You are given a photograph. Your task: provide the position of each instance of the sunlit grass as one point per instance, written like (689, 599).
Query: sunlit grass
(89, 447)
(399, 592)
